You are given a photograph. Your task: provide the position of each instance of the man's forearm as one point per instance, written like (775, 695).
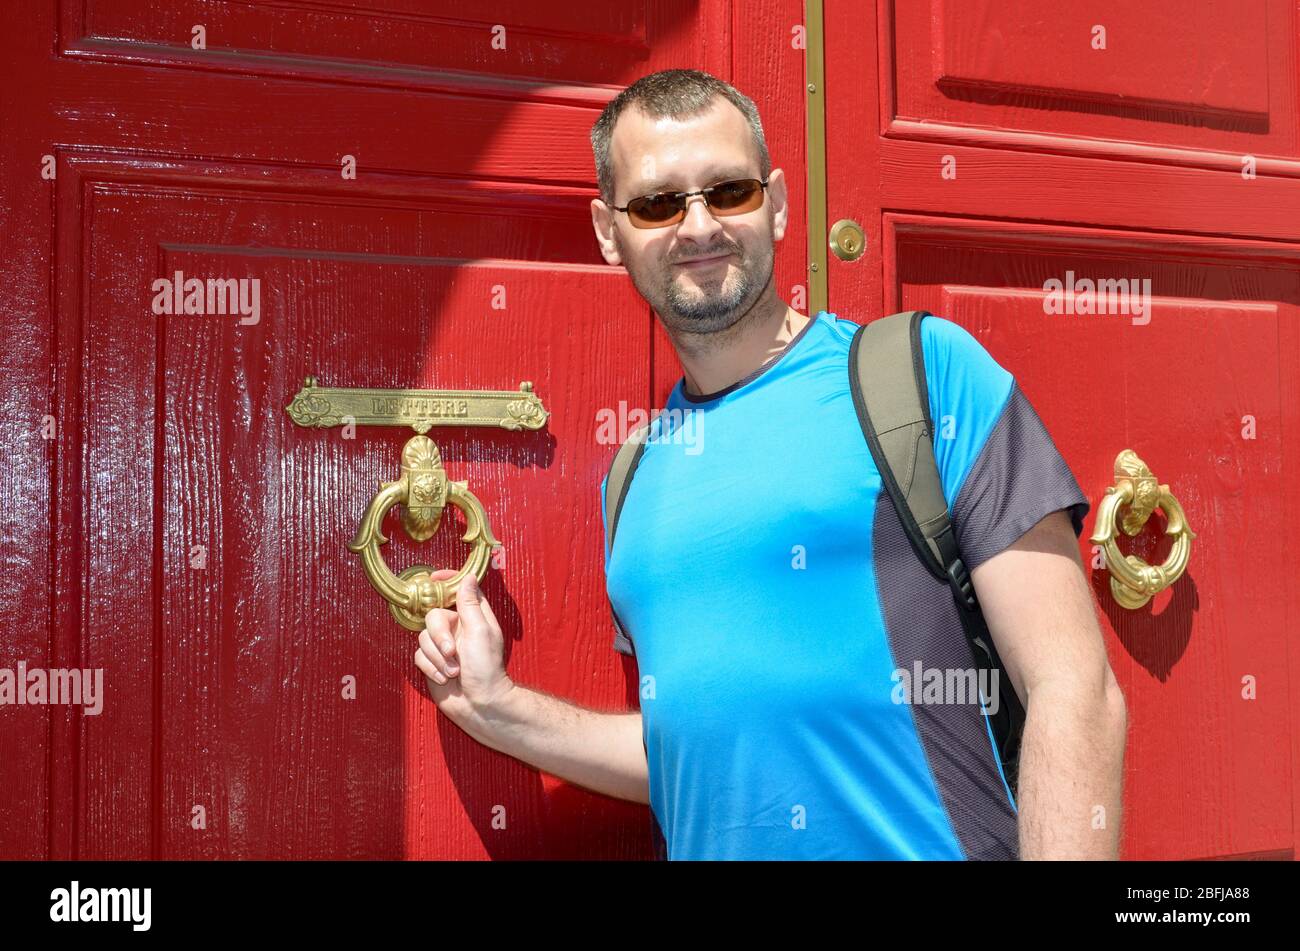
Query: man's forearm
(1071, 774)
(600, 751)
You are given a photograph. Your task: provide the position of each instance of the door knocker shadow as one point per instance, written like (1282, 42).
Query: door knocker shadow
(1155, 635)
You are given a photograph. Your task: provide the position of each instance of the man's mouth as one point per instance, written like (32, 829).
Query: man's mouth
(704, 262)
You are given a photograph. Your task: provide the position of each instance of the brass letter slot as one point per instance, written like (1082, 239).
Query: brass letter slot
(322, 406)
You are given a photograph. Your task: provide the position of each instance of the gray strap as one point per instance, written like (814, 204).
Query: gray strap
(890, 390)
(621, 471)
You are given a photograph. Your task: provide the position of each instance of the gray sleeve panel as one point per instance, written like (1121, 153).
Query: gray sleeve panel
(622, 643)
(1019, 477)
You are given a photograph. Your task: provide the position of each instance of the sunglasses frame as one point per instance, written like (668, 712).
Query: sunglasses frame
(684, 199)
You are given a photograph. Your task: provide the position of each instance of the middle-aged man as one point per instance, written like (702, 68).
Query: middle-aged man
(763, 581)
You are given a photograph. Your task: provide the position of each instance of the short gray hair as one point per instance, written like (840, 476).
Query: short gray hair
(675, 94)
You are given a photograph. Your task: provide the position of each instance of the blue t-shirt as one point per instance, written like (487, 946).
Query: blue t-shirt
(770, 596)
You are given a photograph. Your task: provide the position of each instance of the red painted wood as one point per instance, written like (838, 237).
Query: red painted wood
(1198, 85)
(1129, 169)
(474, 176)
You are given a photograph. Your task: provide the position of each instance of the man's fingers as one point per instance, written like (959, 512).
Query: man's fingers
(469, 601)
(442, 574)
(430, 651)
(488, 612)
(428, 669)
(441, 623)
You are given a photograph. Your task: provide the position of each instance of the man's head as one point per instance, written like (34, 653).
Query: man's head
(681, 130)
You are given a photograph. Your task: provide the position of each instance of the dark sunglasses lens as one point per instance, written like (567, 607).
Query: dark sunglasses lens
(736, 197)
(654, 210)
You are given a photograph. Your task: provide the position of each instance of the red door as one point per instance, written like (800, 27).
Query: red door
(409, 184)
(996, 152)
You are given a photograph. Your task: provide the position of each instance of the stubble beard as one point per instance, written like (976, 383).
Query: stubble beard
(716, 303)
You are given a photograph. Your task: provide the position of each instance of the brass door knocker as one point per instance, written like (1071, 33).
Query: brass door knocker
(424, 490)
(1133, 582)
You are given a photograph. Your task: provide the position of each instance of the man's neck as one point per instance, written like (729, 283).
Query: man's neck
(713, 362)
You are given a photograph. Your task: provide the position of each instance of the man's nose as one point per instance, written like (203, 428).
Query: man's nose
(699, 223)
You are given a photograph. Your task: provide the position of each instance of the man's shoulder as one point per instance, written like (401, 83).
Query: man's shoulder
(840, 329)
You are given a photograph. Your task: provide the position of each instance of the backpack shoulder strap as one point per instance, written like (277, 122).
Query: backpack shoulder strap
(887, 379)
(621, 471)
(620, 475)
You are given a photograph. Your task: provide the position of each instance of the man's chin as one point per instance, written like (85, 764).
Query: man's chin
(704, 321)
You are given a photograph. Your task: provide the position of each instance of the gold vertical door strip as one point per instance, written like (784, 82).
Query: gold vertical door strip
(816, 171)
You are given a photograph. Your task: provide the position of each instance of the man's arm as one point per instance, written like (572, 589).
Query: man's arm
(461, 655)
(1042, 619)
(601, 751)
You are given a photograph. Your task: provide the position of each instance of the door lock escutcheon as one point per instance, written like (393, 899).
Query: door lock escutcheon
(848, 240)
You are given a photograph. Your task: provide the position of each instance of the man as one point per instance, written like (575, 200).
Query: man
(761, 577)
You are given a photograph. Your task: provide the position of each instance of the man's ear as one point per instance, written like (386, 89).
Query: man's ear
(776, 194)
(602, 222)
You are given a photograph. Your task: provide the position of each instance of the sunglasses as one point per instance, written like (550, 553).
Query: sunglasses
(667, 208)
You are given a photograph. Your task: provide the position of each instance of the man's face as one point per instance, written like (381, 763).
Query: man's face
(669, 155)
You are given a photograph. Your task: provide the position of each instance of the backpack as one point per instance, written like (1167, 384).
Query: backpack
(887, 382)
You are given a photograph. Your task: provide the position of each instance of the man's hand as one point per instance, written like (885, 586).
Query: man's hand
(461, 655)
(462, 652)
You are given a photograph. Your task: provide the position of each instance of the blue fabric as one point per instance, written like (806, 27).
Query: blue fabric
(743, 572)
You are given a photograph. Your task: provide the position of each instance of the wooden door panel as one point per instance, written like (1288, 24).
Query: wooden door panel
(497, 40)
(1213, 81)
(473, 175)
(1147, 384)
(998, 150)
(231, 675)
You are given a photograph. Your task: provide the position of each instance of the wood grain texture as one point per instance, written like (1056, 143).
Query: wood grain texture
(474, 175)
(1060, 166)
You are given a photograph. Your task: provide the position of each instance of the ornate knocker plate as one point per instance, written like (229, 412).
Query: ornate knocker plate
(1133, 582)
(424, 490)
